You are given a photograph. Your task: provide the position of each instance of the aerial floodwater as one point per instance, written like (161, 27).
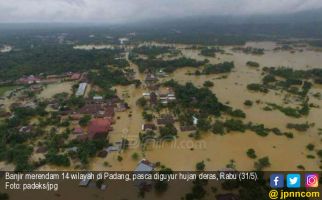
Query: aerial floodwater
(160, 100)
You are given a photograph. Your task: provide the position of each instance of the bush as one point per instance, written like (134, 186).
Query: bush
(262, 163)
(200, 166)
(251, 153)
(141, 102)
(84, 120)
(257, 87)
(135, 156)
(248, 103)
(252, 64)
(298, 127)
(218, 128)
(237, 113)
(310, 147)
(208, 84)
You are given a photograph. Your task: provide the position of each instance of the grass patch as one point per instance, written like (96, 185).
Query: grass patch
(4, 89)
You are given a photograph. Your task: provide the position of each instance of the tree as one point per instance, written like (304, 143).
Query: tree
(168, 131)
(200, 166)
(248, 103)
(208, 84)
(85, 120)
(262, 163)
(147, 116)
(141, 102)
(251, 153)
(162, 186)
(135, 156)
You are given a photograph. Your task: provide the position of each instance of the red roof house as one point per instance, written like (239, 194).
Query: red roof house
(75, 76)
(98, 128)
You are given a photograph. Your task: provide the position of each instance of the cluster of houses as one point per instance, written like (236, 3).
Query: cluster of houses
(163, 98)
(33, 79)
(102, 113)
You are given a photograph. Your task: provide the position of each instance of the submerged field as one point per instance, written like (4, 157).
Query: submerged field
(217, 151)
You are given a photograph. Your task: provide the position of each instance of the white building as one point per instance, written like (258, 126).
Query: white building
(81, 89)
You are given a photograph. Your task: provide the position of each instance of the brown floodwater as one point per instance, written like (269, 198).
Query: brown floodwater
(217, 151)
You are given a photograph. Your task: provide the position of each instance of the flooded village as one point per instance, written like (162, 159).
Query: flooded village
(134, 118)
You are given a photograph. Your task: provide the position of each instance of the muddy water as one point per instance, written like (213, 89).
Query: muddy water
(55, 88)
(217, 151)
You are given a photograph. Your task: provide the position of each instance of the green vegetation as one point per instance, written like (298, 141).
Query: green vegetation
(168, 131)
(167, 65)
(236, 113)
(200, 166)
(299, 127)
(292, 112)
(142, 102)
(262, 163)
(162, 186)
(211, 51)
(188, 96)
(85, 120)
(219, 68)
(257, 87)
(107, 77)
(54, 59)
(248, 103)
(147, 116)
(154, 51)
(249, 50)
(310, 147)
(135, 156)
(4, 89)
(251, 153)
(208, 84)
(252, 64)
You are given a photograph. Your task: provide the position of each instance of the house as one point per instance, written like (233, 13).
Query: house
(123, 40)
(72, 149)
(29, 80)
(122, 107)
(78, 130)
(161, 73)
(91, 109)
(195, 120)
(102, 154)
(42, 149)
(86, 180)
(109, 112)
(25, 129)
(75, 76)
(98, 128)
(166, 98)
(113, 148)
(81, 89)
(36, 88)
(143, 167)
(165, 119)
(146, 94)
(150, 79)
(148, 127)
(153, 98)
(187, 128)
(97, 98)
